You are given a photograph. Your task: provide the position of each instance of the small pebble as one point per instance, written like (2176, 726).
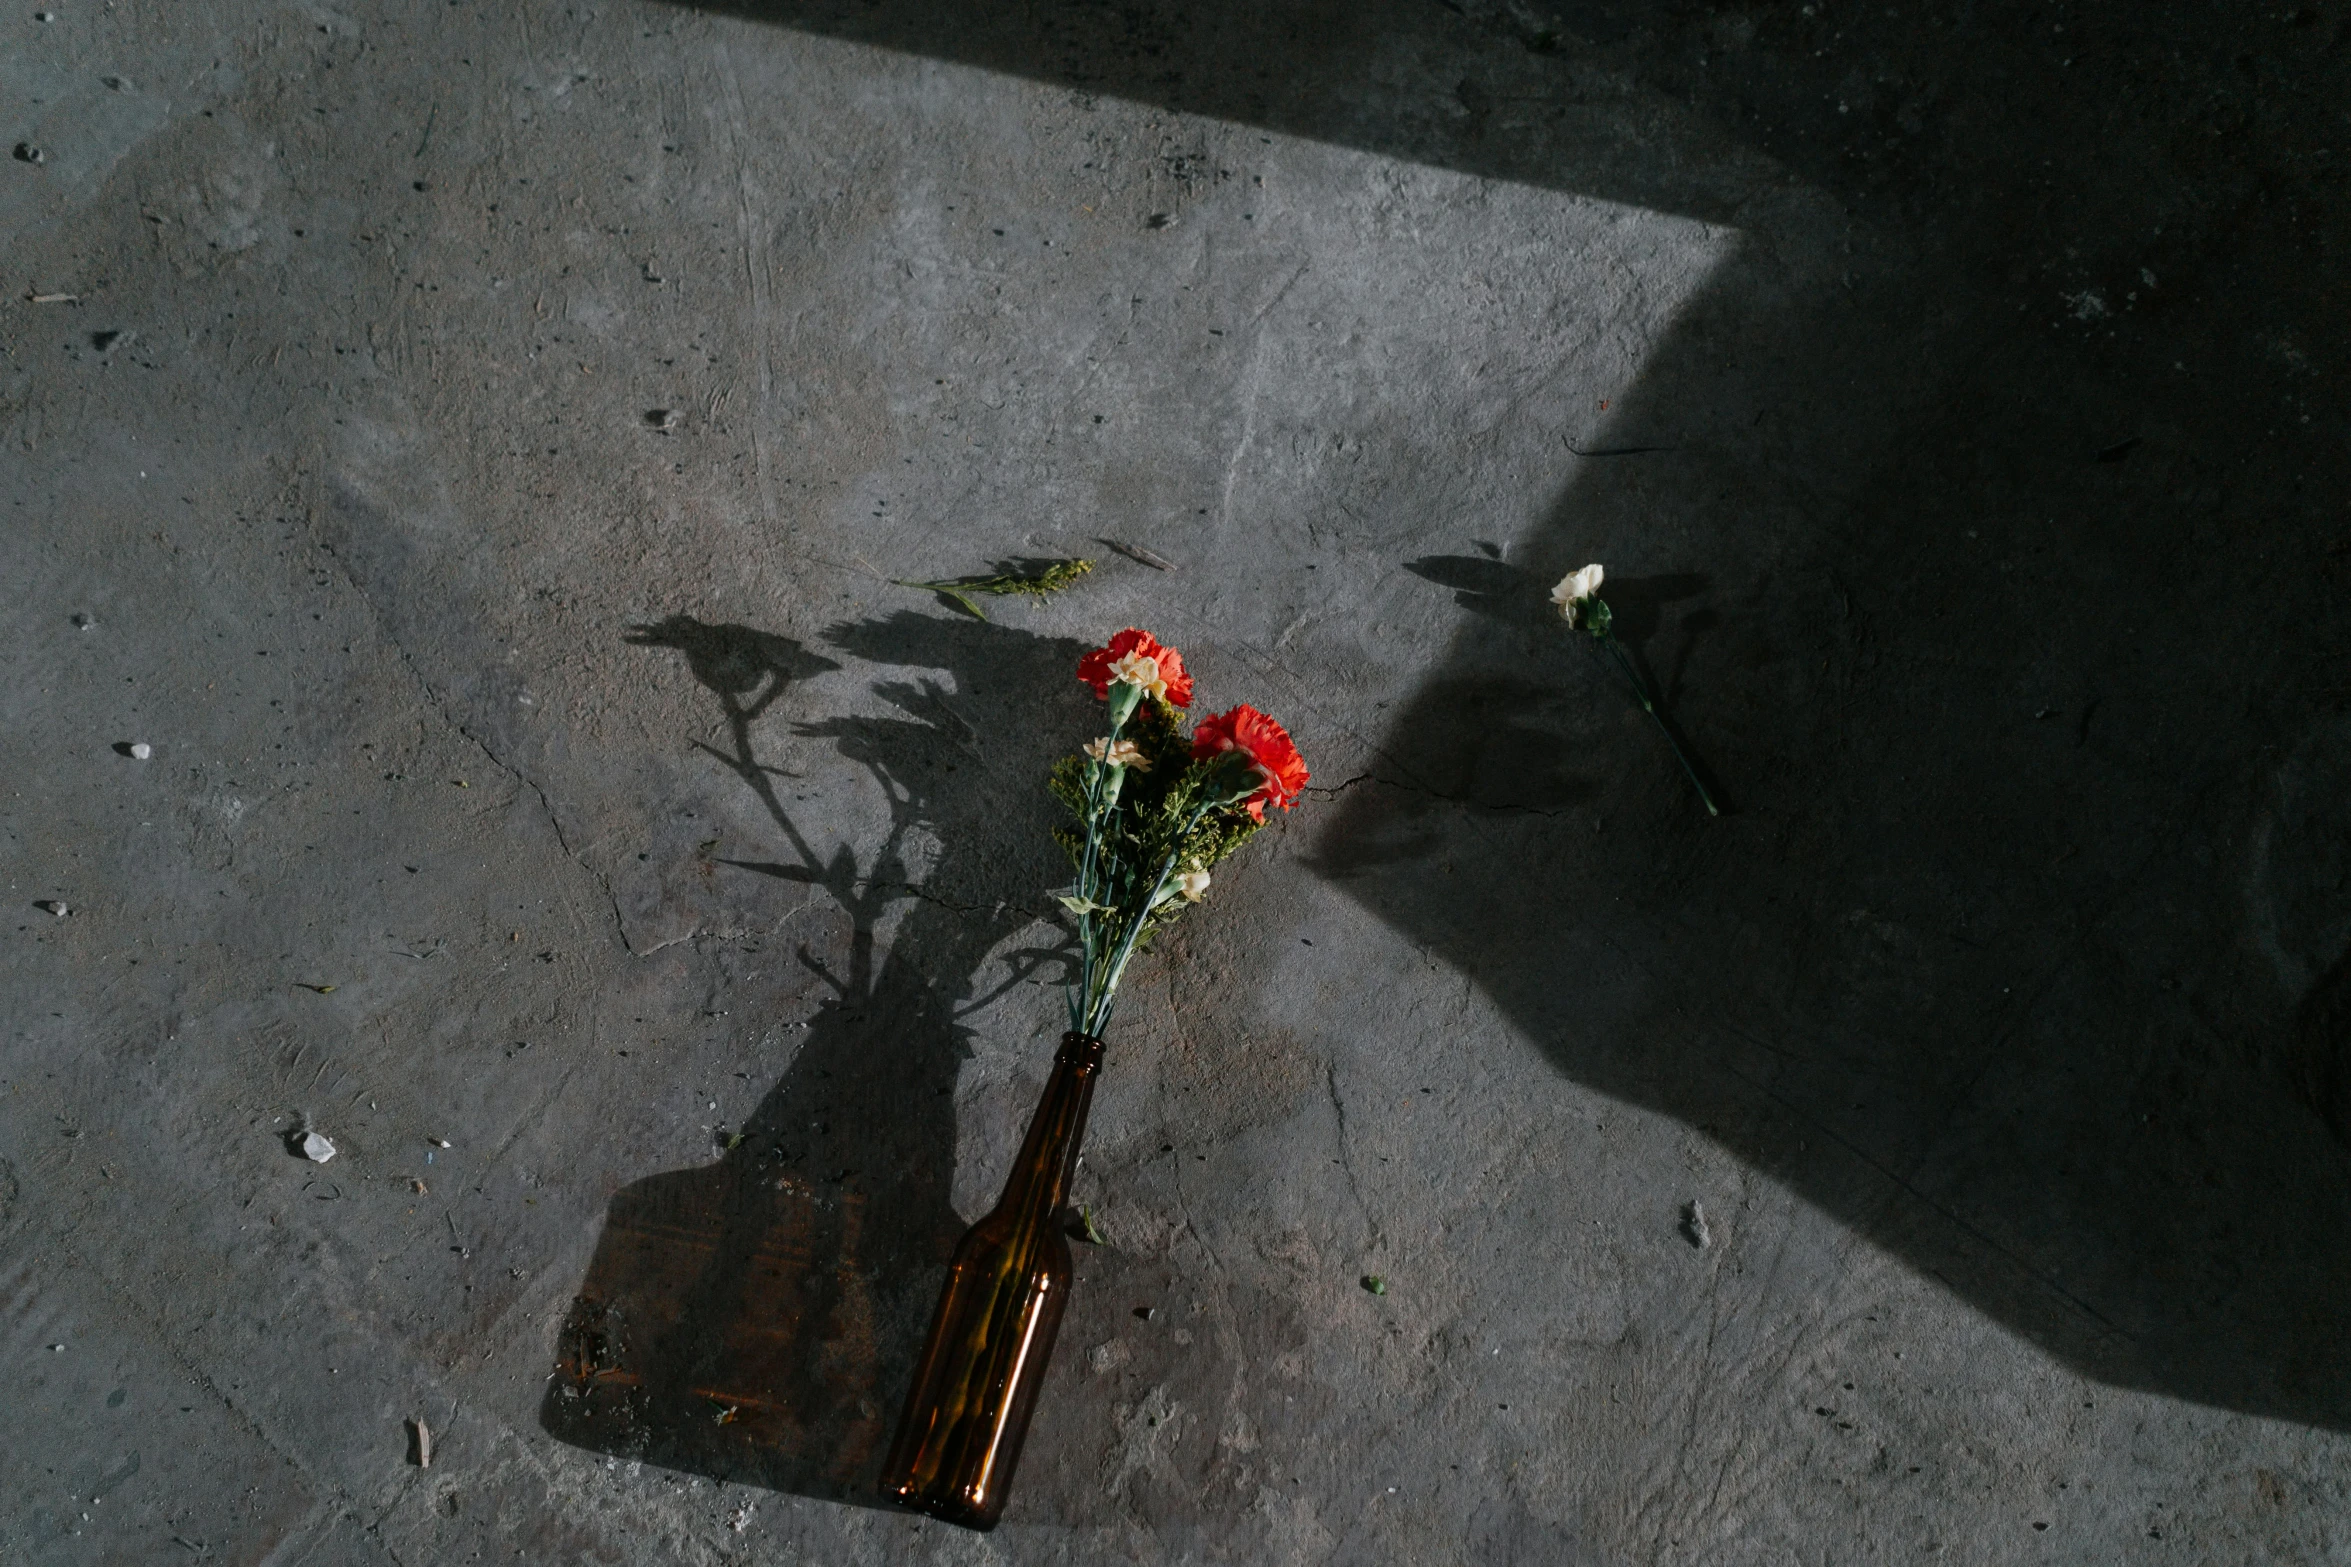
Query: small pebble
(84, 623)
(44, 16)
(54, 907)
(317, 1148)
(663, 419)
(26, 152)
(141, 750)
(1694, 1228)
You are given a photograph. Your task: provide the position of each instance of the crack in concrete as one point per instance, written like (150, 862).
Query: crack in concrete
(1490, 807)
(440, 706)
(1330, 1074)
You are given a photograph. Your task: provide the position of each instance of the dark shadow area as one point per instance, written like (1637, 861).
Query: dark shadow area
(1973, 969)
(755, 1319)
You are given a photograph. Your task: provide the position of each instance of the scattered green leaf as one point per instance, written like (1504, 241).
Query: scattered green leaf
(1093, 1234)
(324, 990)
(1374, 1283)
(1036, 578)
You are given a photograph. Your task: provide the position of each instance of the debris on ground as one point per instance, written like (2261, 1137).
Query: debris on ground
(317, 1147)
(141, 750)
(26, 152)
(1374, 1283)
(662, 419)
(1036, 578)
(54, 907)
(420, 1444)
(1136, 552)
(324, 990)
(1694, 1228)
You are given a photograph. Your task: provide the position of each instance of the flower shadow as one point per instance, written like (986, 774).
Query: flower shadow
(754, 1319)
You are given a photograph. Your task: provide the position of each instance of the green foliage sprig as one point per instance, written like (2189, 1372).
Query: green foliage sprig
(1039, 579)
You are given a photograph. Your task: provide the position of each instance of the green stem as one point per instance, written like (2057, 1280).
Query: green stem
(1080, 996)
(1632, 677)
(1098, 1016)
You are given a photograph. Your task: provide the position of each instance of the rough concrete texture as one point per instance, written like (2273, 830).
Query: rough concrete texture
(1954, 393)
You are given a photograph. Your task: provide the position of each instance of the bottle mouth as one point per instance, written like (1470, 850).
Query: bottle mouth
(1081, 1050)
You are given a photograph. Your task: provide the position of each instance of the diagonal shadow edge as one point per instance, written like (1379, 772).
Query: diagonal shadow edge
(2223, 1326)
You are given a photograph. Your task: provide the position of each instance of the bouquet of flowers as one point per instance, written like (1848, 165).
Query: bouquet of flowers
(1157, 810)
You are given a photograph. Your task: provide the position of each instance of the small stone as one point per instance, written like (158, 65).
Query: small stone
(141, 750)
(44, 16)
(84, 623)
(1143, 1313)
(662, 419)
(1694, 1228)
(54, 907)
(1160, 220)
(317, 1147)
(26, 152)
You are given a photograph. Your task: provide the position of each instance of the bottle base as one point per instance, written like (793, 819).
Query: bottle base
(952, 1508)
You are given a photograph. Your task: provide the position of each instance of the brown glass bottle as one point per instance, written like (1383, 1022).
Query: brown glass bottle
(977, 1381)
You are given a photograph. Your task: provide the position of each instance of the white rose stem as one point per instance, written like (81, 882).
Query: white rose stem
(1632, 678)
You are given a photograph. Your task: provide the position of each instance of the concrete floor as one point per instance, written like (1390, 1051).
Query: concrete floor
(559, 808)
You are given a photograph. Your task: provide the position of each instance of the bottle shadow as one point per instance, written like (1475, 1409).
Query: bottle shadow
(755, 1319)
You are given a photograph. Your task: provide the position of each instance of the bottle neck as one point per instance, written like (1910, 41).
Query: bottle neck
(1040, 1179)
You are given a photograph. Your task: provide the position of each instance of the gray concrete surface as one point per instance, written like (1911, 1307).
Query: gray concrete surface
(1953, 392)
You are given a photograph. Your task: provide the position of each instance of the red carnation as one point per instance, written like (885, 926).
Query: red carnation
(1125, 657)
(1266, 744)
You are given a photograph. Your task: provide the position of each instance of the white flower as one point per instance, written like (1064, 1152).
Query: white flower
(1142, 673)
(1192, 885)
(1118, 753)
(1574, 588)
